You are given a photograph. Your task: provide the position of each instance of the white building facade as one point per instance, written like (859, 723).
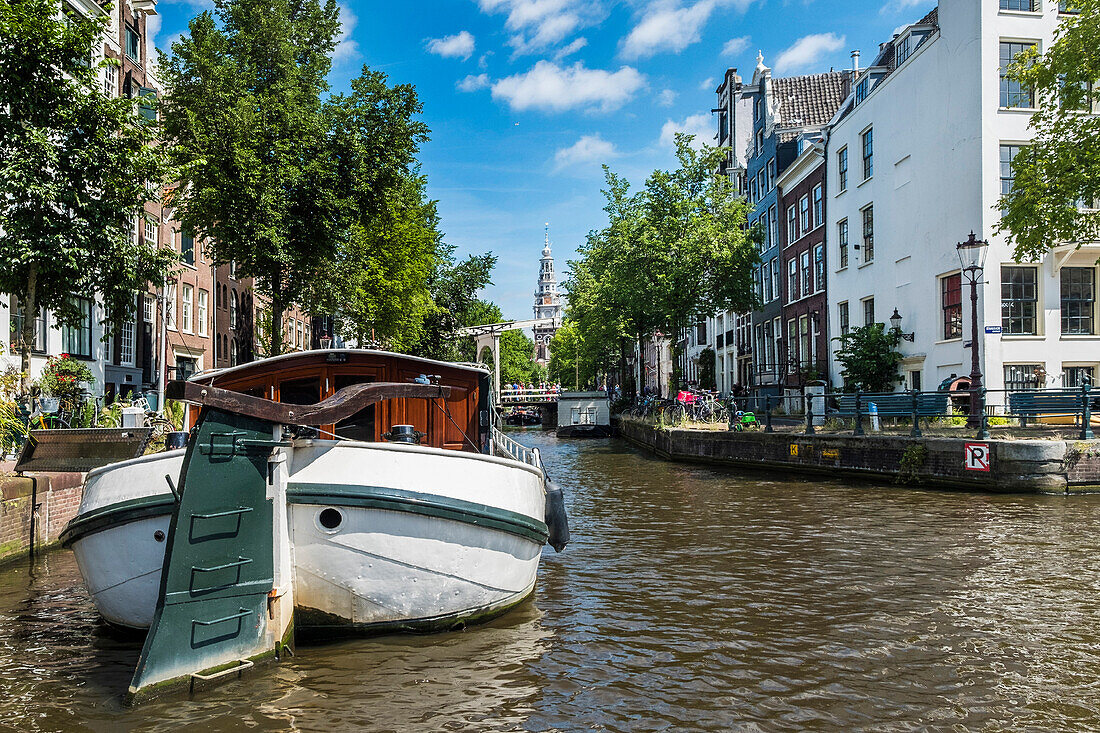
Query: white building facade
(917, 157)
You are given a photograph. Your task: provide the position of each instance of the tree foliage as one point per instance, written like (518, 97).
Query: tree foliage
(453, 287)
(1055, 197)
(76, 168)
(869, 358)
(673, 252)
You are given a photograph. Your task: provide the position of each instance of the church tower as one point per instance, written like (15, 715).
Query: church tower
(547, 303)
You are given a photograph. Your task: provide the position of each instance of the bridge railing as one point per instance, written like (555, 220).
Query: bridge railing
(527, 396)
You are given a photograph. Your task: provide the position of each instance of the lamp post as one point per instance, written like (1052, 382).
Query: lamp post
(972, 254)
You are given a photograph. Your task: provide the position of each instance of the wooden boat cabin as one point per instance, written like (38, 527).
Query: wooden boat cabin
(307, 377)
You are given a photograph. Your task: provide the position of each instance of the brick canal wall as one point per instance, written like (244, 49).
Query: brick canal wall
(1037, 466)
(57, 496)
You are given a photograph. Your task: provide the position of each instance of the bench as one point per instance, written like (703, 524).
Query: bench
(1051, 403)
(892, 404)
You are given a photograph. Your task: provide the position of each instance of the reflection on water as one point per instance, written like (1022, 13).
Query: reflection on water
(691, 598)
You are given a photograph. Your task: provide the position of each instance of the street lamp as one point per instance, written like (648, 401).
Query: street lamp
(972, 254)
(326, 340)
(895, 326)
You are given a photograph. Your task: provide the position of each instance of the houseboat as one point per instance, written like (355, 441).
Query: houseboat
(385, 494)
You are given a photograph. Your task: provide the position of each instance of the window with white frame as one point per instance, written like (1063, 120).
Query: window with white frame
(151, 230)
(842, 169)
(868, 311)
(819, 206)
(771, 174)
(792, 280)
(902, 50)
(202, 312)
(868, 142)
(805, 350)
(768, 352)
(149, 309)
(170, 307)
(1028, 6)
(1078, 300)
(126, 341)
(842, 243)
(792, 225)
(792, 346)
(819, 267)
(767, 231)
(843, 318)
(186, 312)
(773, 222)
(806, 275)
(1022, 377)
(766, 277)
(776, 275)
(1074, 377)
(1019, 300)
(110, 80)
(868, 234)
(1013, 93)
(804, 214)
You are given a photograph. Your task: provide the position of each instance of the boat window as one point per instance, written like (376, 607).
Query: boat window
(305, 391)
(257, 390)
(359, 426)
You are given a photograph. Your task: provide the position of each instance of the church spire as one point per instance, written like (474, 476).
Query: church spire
(547, 300)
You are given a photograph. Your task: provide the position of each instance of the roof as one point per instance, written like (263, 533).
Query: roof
(275, 361)
(810, 100)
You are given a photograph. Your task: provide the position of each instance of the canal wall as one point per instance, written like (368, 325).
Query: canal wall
(1032, 466)
(34, 509)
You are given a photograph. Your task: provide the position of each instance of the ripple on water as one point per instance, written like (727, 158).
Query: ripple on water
(691, 598)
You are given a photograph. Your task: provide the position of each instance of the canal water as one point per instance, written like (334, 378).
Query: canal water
(691, 598)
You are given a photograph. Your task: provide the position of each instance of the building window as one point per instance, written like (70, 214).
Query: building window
(1014, 94)
(1078, 300)
(202, 311)
(804, 214)
(1019, 300)
(869, 234)
(110, 80)
(170, 307)
(765, 225)
(126, 341)
(1008, 152)
(805, 347)
(152, 230)
(806, 274)
(844, 319)
(133, 43)
(298, 343)
(819, 211)
(1019, 377)
(868, 140)
(186, 312)
(1028, 6)
(767, 281)
(775, 277)
(819, 267)
(768, 351)
(187, 248)
(792, 280)
(234, 304)
(76, 340)
(868, 311)
(773, 222)
(1073, 377)
(149, 309)
(842, 243)
(951, 305)
(902, 50)
(792, 346)
(862, 88)
(771, 174)
(792, 225)
(842, 169)
(1067, 6)
(17, 318)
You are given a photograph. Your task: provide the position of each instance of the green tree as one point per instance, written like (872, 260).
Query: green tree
(707, 366)
(453, 288)
(76, 169)
(1055, 196)
(869, 358)
(257, 162)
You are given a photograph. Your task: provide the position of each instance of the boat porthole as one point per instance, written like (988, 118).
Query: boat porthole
(158, 535)
(330, 519)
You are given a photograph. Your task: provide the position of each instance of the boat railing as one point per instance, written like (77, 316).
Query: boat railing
(503, 445)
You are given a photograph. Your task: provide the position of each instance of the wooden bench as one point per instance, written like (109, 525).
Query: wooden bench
(892, 404)
(1050, 403)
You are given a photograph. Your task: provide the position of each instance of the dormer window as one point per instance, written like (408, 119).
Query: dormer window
(862, 88)
(902, 50)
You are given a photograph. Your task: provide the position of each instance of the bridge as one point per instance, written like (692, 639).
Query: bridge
(488, 337)
(527, 397)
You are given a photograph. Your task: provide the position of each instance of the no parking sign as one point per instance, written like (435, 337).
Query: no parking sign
(978, 456)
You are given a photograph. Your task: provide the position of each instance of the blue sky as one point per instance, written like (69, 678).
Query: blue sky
(526, 98)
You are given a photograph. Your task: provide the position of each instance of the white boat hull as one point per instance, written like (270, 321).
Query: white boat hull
(426, 538)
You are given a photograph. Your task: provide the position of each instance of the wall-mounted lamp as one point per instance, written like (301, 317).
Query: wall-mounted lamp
(895, 325)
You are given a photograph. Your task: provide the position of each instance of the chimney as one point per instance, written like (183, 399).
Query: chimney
(855, 60)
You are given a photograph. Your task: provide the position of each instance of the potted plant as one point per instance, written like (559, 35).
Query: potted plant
(62, 382)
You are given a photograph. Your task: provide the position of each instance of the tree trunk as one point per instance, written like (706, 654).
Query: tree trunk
(26, 336)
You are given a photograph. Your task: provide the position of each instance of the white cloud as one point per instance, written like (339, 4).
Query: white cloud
(572, 48)
(735, 46)
(666, 97)
(346, 47)
(458, 46)
(701, 126)
(589, 149)
(807, 51)
(897, 6)
(668, 25)
(152, 28)
(538, 24)
(708, 84)
(472, 83)
(550, 87)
